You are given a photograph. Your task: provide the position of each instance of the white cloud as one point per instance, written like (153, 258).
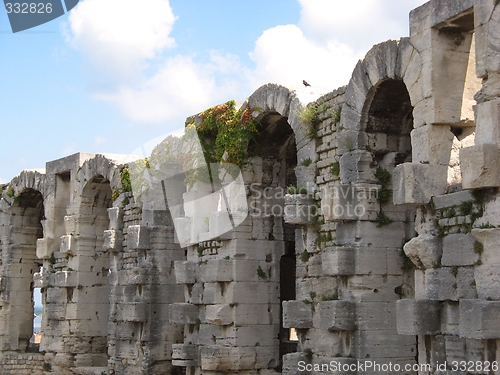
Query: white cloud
(179, 88)
(361, 25)
(118, 36)
(285, 55)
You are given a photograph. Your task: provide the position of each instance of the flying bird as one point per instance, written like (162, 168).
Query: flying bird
(305, 83)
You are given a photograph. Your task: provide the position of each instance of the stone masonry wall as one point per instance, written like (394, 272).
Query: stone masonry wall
(371, 234)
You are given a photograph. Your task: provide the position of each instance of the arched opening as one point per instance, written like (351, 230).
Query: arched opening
(276, 151)
(25, 299)
(88, 302)
(388, 121)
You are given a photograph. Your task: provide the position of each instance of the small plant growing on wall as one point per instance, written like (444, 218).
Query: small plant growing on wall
(310, 117)
(335, 169)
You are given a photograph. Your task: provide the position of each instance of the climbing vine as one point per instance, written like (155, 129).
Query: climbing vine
(224, 132)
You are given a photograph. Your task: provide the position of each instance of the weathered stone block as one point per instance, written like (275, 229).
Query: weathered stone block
(66, 279)
(350, 202)
(297, 314)
(183, 313)
(338, 260)
(487, 120)
(424, 251)
(418, 183)
(356, 167)
(112, 242)
(44, 248)
(221, 315)
(479, 319)
(66, 244)
(185, 272)
(299, 209)
(438, 284)
(480, 166)
(453, 199)
(138, 237)
(418, 317)
(115, 215)
(185, 355)
(458, 250)
(219, 358)
(337, 315)
(431, 144)
(216, 270)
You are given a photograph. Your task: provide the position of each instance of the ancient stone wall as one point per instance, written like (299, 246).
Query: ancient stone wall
(370, 233)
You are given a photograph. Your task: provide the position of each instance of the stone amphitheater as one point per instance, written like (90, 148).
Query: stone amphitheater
(382, 255)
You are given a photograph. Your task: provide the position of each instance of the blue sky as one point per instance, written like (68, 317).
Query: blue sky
(113, 74)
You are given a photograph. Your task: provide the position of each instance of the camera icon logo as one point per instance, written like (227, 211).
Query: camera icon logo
(27, 14)
(205, 200)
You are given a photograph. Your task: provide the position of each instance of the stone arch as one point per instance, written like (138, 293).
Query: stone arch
(392, 60)
(33, 180)
(282, 146)
(99, 165)
(273, 98)
(21, 264)
(89, 303)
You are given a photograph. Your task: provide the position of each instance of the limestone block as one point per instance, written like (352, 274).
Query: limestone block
(221, 315)
(184, 355)
(115, 215)
(418, 183)
(424, 251)
(366, 233)
(216, 270)
(479, 319)
(445, 10)
(489, 238)
(55, 311)
(66, 279)
(66, 245)
(44, 248)
(480, 166)
(185, 272)
(458, 250)
(438, 284)
(40, 280)
(338, 260)
(297, 314)
(138, 237)
(466, 283)
(337, 315)
(350, 202)
(453, 199)
(418, 317)
(290, 363)
(487, 281)
(450, 319)
(487, 120)
(112, 241)
(299, 209)
(224, 359)
(356, 167)
(132, 312)
(183, 313)
(431, 144)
